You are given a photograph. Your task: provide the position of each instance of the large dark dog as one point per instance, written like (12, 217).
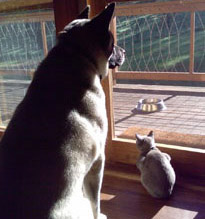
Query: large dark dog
(52, 153)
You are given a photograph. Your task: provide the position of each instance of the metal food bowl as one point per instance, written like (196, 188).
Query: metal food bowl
(150, 105)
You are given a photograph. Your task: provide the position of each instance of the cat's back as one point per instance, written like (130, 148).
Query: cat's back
(158, 176)
(157, 163)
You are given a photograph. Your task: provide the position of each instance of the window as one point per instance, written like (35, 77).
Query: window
(26, 35)
(186, 160)
(164, 43)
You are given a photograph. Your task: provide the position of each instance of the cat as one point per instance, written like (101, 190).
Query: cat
(157, 174)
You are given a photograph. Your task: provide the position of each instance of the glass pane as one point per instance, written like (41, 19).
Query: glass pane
(199, 53)
(21, 49)
(161, 43)
(50, 34)
(155, 42)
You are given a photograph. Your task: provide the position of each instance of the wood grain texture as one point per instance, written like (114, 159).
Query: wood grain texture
(161, 7)
(186, 162)
(168, 76)
(96, 6)
(44, 38)
(15, 5)
(123, 197)
(66, 11)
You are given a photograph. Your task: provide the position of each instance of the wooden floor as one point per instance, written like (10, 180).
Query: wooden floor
(123, 197)
(185, 111)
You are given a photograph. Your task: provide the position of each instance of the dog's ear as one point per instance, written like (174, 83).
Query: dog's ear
(102, 21)
(85, 13)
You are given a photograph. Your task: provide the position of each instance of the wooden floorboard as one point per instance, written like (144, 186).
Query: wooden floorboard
(123, 197)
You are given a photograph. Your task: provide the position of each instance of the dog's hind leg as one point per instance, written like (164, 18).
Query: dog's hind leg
(93, 183)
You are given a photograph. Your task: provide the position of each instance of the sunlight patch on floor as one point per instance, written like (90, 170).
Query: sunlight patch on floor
(106, 197)
(173, 213)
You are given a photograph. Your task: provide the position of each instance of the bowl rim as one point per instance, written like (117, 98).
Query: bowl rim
(159, 105)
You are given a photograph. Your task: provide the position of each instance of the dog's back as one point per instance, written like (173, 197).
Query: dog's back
(56, 111)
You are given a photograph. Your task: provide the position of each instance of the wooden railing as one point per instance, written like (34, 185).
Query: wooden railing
(25, 17)
(191, 6)
(13, 5)
(41, 17)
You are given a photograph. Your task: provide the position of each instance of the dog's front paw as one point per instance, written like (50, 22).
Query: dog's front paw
(102, 216)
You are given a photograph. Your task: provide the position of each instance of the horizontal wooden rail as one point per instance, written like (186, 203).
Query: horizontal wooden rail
(160, 7)
(175, 76)
(28, 17)
(15, 5)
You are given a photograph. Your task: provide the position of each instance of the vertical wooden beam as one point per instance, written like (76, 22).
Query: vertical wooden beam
(4, 103)
(1, 121)
(44, 39)
(192, 43)
(113, 29)
(65, 11)
(96, 6)
(81, 4)
(107, 84)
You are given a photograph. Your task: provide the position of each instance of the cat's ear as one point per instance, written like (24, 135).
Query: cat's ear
(151, 134)
(85, 13)
(138, 137)
(102, 21)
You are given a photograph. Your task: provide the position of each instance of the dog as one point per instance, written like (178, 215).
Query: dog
(52, 153)
(117, 58)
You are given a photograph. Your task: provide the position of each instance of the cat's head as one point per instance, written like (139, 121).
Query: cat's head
(145, 143)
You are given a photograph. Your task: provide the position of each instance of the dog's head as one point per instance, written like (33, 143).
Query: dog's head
(117, 58)
(92, 39)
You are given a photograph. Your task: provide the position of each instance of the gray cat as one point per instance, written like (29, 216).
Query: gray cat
(157, 174)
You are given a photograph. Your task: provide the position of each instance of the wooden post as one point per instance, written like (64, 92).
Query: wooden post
(192, 42)
(65, 11)
(43, 32)
(96, 6)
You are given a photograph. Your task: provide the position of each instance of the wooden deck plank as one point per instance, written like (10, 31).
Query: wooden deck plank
(185, 106)
(185, 111)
